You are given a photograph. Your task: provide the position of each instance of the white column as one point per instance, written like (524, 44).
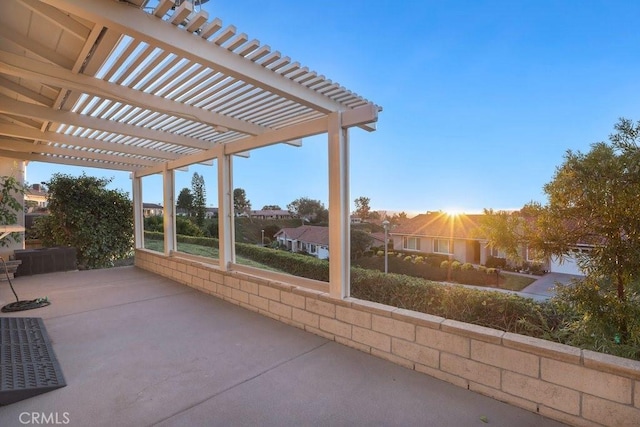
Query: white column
(226, 227)
(339, 224)
(138, 217)
(168, 209)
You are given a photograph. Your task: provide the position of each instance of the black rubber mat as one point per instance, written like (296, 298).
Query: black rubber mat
(28, 365)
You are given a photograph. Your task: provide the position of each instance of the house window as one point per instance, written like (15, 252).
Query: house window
(411, 243)
(442, 246)
(312, 249)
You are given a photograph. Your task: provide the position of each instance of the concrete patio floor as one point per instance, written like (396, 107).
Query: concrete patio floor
(138, 349)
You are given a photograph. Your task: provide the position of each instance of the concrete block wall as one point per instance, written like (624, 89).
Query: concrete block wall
(578, 387)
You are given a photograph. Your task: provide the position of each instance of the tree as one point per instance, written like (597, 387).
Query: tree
(240, 201)
(185, 201)
(593, 199)
(199, 198)
(593, 202)
(10, 190)
(84, 214)
(308, 210)
(362, 207)
(360, 242)
(271, 208)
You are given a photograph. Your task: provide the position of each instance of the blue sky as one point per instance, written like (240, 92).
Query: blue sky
(481, 98)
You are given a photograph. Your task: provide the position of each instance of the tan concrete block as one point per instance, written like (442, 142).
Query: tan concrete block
(437, 373)
(393, 327)
(269, 314)
(240, 296)
(371, 307)
(445, 341)
(225, 291)
(636, 394)
(178, 266)
(470, 369)
(417, 318)
(512, 360)
(320, 307)
(571, 420)
(601, 384)
(292, 299)
(335, 327)
(415, 352)
(256, 301)
(392, 358)
(197, 282)
(232, 282)
(351, 343)
(612, 364)
(281, 286)
(326, 296)
(203, 273)
(503, 397)
(305, 317)
(472, 331)
(306, 292)
(292, 323)
(209, 286)
(269, 292)
(371, 338)
(542, 347)
(216, 277)
(249, 287)
(543, 392)
(354, 317)
(280, 309)
(609, 413)
(319, 332)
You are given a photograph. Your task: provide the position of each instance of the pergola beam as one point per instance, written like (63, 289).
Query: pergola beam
(152, 30)
(63, 161)
(26, 68)
(23, 109)
(16, 131)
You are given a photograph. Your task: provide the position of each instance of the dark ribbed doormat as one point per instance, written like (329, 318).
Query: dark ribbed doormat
(28, 365)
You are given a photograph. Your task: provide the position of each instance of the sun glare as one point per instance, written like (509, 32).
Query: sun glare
(453, 212)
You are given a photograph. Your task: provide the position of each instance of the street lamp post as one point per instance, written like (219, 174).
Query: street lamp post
(385, 224)
(262, 238)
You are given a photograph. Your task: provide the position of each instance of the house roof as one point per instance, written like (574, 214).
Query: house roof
(137, 85)
(151, 206)
(440, 224)
(307, 233)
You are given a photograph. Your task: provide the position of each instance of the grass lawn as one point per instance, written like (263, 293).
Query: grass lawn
(204, 251)
(515, 282)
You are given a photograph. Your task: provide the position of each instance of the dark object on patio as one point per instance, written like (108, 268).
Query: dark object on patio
(20, 305)
(28, 365)
(45, 260)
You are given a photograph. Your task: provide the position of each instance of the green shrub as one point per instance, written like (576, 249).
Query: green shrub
(444, 264)
(491, 271)
(408, 258)
(455, 265)
(380, 253)
(419, 260)
(467, 266)
(496, 262)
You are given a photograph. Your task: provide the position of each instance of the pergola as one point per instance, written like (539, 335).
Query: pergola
(153, 86)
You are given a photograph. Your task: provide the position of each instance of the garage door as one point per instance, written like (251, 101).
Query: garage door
(566, 265)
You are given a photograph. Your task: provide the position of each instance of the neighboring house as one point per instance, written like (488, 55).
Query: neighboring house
(271, 214)
(151, 209)
(440, 233)
(307, 238)
(457, 237)
(355, 219)
(211, 212)
(35, 198)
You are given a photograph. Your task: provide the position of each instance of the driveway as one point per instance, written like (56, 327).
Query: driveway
(543, 287)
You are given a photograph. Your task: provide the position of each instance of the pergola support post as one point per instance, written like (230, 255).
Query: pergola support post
(168, 209)
(138, 216)
(339, 224)
(226, 226)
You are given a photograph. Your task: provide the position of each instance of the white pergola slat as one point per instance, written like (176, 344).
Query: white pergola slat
(119, 85)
